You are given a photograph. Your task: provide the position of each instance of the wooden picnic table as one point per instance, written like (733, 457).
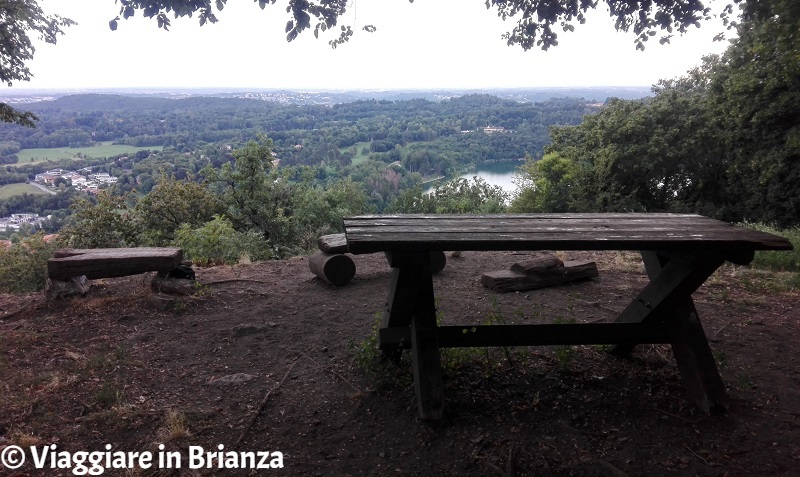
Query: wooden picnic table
(680, 251)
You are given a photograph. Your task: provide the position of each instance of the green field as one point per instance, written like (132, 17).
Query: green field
(358, 158)
(106, 149)
(10, 190)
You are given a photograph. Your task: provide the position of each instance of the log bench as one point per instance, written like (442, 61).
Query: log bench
(96, 263)
(680, 252)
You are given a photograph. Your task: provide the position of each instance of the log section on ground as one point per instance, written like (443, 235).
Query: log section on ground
(538, 273)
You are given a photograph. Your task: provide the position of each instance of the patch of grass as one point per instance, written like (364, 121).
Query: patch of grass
(11, 190)
(370, 359)
(25, 439)
(783, 260)
(108, 396)
(565, 354)
(359, 157)
(766, 282)
(105, 149)
(175, 427)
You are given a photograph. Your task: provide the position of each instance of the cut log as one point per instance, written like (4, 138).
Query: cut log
(537, 265)
(335, 268)
(112, 262)
(438, 261)
(334, 243)
(516, 280)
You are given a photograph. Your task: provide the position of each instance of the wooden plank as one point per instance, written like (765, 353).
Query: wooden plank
(333, 243)
(414, 242)
(463, 336)
(553, 232)
(112, 262)
(567, 231)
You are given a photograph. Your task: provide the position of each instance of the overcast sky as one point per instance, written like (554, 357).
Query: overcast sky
(427, 44)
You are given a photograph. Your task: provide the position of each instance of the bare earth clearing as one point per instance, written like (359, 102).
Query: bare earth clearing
(113, 368)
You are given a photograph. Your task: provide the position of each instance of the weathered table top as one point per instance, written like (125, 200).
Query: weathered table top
(616, 231)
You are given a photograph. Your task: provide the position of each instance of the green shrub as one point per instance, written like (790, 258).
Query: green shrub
(781, 260)
(217, 242)
(23, 266)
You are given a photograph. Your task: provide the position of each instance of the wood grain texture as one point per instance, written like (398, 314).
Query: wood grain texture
(672, 232)
(112, 262)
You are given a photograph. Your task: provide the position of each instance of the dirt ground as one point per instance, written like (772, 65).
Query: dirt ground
(267, 357)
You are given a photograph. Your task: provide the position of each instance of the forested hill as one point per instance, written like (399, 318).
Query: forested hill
(86, 119)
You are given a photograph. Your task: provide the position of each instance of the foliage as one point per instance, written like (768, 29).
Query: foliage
(257, 197)
(320, 210)
(536, 19)
(459, 196)
(544, 185)
(20, 19)
(23, 265)
(107, 224)
(778, 260)
(217, 242)
(172, 203)
(723, 141)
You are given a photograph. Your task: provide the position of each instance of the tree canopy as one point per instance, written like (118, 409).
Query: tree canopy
(723, 141)
(19, 20)
(536, 20)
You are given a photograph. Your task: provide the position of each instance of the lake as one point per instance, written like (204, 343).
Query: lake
(495, 173)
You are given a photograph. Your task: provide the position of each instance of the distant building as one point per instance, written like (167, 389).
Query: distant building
(17, 220)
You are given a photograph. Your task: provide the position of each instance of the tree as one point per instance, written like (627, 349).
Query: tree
(535, 19)
(107, 224)
(257, 197)
(545, 185)
(723, 141)
(172, 203)
(459, 196)
(19, 19)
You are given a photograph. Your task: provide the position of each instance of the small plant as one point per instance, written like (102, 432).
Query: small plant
(25, 439)
(175, 427)
(218, 242)
(367, 353)
(745, 381)
(721, 358)
(373, 363)
(23, 265)
(565, 354)
(108, 396)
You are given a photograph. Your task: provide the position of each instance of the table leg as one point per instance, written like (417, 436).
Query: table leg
(690, 346)
(412, 303)
(425, 352)
(402, 299)
(673, 279)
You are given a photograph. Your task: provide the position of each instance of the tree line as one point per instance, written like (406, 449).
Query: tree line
(723, 140)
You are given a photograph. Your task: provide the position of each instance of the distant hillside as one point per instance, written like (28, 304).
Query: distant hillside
(594, 93)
